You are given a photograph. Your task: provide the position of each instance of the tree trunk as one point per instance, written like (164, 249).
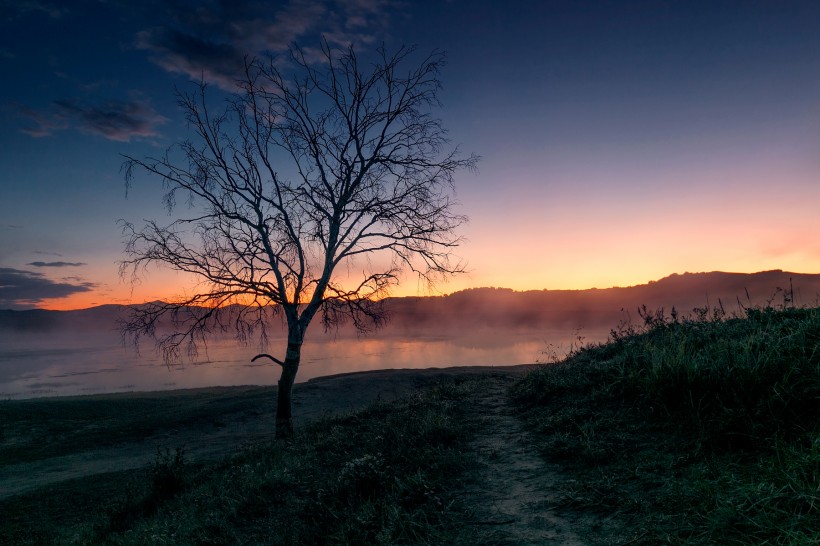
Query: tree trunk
(284, 400)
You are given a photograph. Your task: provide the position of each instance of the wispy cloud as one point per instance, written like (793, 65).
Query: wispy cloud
(56, 264)
(194, 56)
(15, 8)
(114, 120)
(211, 42)
(44, 123)
(22, 289)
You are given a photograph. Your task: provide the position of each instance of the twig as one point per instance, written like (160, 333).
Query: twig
(257, 357)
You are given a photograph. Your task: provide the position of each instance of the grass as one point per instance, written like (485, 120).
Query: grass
(701, 430)
(41, 428)
(381, 476)
(692, 431)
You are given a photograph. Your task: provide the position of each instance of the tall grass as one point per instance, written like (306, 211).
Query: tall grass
(733, 383)
(701, 430)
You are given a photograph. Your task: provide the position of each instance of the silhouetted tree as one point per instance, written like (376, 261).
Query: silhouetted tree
(301, 174)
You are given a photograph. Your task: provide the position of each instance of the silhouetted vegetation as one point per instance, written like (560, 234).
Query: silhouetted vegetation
(695, 430)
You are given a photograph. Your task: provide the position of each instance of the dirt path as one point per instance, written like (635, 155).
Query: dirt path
(513, 500)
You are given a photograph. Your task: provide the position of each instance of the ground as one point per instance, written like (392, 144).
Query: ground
(205, 439)
(512, 502)
(515, 494)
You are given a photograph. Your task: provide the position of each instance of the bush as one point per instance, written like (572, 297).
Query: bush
(168, 473)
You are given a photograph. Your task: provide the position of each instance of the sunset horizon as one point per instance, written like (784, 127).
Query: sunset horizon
(618, 145)
(81, 300)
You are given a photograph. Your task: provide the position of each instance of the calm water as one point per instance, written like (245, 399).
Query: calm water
(34, 366)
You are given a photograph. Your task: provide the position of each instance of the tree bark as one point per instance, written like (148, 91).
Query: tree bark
(284, 399)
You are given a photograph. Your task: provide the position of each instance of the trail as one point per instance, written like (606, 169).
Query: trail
(513, 499)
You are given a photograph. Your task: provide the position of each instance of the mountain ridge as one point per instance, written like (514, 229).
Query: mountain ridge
(493, 307)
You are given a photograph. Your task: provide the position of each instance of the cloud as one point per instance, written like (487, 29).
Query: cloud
(14, 8)
(211, 42)
(194, 56)
(56, 264)
(208, 41)
(22, 289)
(45, 124)
(114, 120)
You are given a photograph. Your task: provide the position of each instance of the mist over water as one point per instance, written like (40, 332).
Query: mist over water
(63, 364)
(49, 353)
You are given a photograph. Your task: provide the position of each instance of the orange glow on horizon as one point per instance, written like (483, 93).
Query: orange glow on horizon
(615, 277)
(602, 241)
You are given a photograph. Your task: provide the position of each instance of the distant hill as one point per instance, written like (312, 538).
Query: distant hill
(103, 317)
(596, 308)
(497, 308)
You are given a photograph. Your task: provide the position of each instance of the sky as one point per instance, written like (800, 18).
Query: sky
(621, 141)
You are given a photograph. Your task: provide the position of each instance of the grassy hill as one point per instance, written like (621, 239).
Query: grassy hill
(699, 431)
(686, 431)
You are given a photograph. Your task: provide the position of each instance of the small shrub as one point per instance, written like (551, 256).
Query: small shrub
(168, 473)
(363, 476)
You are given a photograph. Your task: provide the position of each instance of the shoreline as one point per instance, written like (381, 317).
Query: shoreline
(378, 373)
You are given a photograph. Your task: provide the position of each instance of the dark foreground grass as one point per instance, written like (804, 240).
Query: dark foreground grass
(380, 476)
(691, 431)
(38, 429)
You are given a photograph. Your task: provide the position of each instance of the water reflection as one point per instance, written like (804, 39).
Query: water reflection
(37, 365)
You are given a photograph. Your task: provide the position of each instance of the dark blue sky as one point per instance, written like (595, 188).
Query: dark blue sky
(622, 141)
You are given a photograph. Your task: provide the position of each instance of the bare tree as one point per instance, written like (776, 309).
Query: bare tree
(368, 189)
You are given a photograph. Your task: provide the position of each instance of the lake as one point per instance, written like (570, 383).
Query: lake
(38, 365)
